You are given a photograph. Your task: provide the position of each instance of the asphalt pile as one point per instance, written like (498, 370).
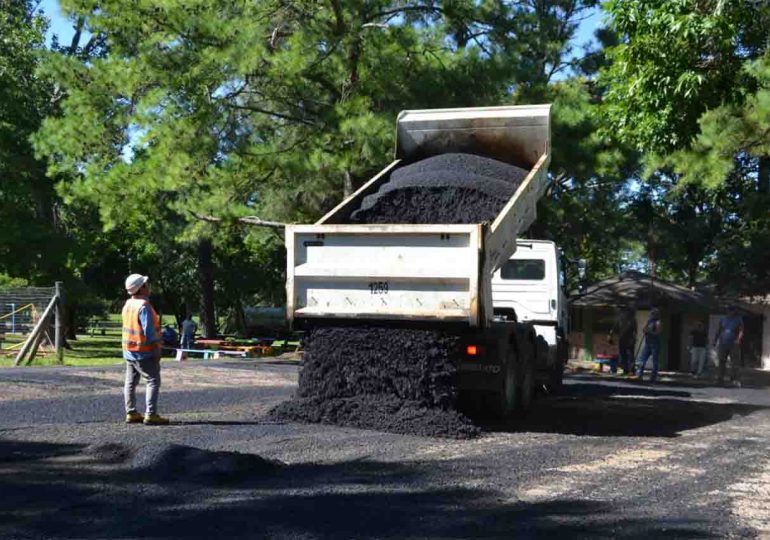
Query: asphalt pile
(401, 380)
(397, 379)
(174, 462)
(447, 189)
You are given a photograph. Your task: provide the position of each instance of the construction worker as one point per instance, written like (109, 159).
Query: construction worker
(651, 345)
(141, 350)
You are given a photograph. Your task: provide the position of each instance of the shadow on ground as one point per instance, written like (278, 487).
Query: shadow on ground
(602, 409)
(57, 493)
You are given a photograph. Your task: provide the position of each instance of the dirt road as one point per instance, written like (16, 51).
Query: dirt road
(606, 459)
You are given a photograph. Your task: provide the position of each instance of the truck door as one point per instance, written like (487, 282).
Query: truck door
(522, 284)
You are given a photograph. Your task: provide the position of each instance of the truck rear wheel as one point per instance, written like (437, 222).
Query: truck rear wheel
(556, 373)
(506, 399)
(526, 384)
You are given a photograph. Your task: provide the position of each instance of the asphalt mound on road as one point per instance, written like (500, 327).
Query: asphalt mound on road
(400, 380)
(179, 462)
(109, 452)
(379, 412)
(174, 462)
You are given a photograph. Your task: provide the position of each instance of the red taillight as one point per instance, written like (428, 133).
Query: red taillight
(472, 350)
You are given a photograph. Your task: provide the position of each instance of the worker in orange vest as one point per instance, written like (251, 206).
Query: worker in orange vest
(141, 350)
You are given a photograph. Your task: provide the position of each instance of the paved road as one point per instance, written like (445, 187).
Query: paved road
(606, 459)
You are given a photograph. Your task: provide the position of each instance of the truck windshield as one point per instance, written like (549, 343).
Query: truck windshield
(532, 269)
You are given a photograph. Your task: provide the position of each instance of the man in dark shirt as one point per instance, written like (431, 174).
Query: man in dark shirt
(728, 343)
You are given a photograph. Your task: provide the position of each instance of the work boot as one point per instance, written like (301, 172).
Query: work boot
(133, 417)
(155, 420)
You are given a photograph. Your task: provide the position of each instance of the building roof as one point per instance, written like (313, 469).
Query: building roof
(640, 290)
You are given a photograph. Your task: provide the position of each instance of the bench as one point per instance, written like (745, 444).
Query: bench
(208, 353)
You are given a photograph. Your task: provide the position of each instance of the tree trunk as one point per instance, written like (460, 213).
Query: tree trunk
(206, 276)
(240, 320)
(692, 274)
(70, 325)
(348, 187)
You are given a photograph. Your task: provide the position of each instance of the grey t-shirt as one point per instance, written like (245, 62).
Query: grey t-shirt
(188, 328)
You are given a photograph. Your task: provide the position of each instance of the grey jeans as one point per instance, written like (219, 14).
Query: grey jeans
(135, 370)
(734, 352)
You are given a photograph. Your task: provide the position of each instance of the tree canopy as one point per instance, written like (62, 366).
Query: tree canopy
(688, 86)
(117, 147)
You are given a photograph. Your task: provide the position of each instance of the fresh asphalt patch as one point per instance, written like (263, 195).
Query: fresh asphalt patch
(605, 459)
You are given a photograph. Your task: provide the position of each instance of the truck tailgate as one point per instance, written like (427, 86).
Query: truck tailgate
(384, 272)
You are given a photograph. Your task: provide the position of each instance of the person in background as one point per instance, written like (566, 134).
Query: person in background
(169, 337)
(188, 332)
(698, 342)
(728, 343)
(625, 330)
(141, 351)
(651, 345)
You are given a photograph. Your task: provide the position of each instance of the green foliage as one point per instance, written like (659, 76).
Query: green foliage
(727, 131)
(687, 84)
(31, 245)
(7, 281)
(235, 108)
(269, 108)
(586, 212)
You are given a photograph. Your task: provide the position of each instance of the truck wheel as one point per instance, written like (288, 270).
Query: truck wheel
(506, 398)
(527, 384)
(556, 374)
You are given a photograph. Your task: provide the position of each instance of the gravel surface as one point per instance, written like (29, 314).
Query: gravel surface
(608, 459)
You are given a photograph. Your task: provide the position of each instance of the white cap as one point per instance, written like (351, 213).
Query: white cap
(134, 282)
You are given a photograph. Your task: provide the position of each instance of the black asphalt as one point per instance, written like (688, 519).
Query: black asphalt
(606, 459)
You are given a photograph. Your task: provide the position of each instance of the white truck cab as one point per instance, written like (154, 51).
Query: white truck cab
(529, 285)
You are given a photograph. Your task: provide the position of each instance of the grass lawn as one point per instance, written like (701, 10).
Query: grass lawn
(86, 351)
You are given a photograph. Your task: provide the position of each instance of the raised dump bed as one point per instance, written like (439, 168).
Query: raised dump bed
(426, 272)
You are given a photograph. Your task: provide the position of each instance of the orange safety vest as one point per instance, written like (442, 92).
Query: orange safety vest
(134, 339)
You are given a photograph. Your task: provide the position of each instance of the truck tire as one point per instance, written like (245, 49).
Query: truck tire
(526, 379)
(506, 400)
(556, 373)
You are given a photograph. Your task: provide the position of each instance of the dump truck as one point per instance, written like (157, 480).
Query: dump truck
(500, 294)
